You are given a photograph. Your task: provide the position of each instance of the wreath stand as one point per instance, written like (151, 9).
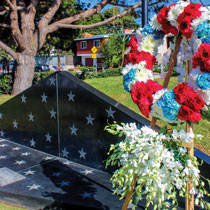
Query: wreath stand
(189, 198)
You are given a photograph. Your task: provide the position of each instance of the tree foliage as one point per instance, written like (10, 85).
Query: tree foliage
(127, 21)
(114, 48)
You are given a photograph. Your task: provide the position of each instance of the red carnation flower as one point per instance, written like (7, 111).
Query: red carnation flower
(202, 58)
(141, 94)
(191, 12)
(135, 57)
(191, 103)
(188, 114)
(162, 18)
(133, 43)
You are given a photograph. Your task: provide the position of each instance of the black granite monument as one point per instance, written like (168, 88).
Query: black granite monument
(53, 146)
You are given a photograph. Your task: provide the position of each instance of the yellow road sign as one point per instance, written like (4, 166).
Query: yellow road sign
(94, 49)
(93, 55)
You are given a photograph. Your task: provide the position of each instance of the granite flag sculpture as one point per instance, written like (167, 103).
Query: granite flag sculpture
(53, 146)
(53, 138)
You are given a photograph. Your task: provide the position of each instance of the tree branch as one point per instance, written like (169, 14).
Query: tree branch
(11, 5)
(33, 4)
(47, 17)
(14, 24)
(120, 5)
(9, 50)
(100, 23)
(54, 26)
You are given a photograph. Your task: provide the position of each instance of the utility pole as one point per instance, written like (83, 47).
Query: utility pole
(144, 12)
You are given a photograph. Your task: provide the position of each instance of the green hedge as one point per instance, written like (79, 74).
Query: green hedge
(6, 81)
(41, 75)
(106, 73)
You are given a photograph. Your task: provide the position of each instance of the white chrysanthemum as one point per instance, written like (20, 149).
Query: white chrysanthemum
(175, 11)
(205, 94)
(127, 68)
(144, 74)
(148, 44)
(154, 23)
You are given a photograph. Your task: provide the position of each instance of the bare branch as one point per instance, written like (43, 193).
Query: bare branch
(14, 24)
(47, 17)
(120, 5)
(33, 4)
(9, 50)
(100, 23)
(6, 8)
(54, 26)
(11, 5)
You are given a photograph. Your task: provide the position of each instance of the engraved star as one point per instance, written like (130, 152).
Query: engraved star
(32, 142)
(86, 172)
(3, 145)
(23, 98)
(16, 148)
(67, 163)
(29, 172)
(52, 81)
(48, 158)
(86, 195)
(25, 154)
(102, 144)
(20, 162)
(64, 183)
(65, 153)
(73, 130)
(1, 115)
(71, 96)
(48, 137)
(82, 154)
(53, 113)
(44, 98)
(2, 133)
(31, 117)
(110, 112)
(15, 124)
(34, 187)
(90, 119)
(2, 157)
(57, 174)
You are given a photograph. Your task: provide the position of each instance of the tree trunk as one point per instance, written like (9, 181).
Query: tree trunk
(24, 73)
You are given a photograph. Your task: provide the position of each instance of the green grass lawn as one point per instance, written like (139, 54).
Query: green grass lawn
(113, 87)
(9, 207)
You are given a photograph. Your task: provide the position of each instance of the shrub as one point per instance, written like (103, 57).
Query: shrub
(106, 73)
(41, 75)
(6, 83)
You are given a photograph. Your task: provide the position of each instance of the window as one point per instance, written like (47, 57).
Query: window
(97, 43)
(83, 44)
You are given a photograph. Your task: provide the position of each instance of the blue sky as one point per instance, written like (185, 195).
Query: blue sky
(133, 2)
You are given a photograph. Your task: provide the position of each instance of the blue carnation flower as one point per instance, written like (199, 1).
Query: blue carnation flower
(169, 105)
(203, 32)
(203, 81)
(148, 30)
(128, 78)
